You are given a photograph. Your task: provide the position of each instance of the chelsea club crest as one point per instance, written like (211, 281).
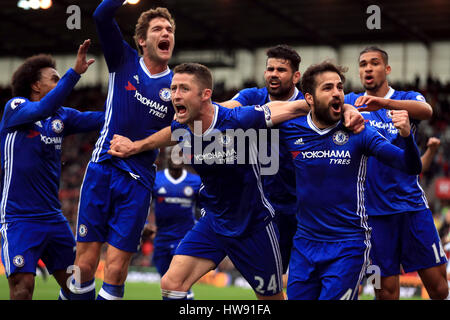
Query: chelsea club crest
(19, 261)
(340, 137)
(188, 191)
(57, 126)
(165, 94)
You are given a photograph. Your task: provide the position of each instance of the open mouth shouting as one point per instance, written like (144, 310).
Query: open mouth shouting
(274, 83)
(180, 110)
(336, 106)
(164, 45)
(369, 79)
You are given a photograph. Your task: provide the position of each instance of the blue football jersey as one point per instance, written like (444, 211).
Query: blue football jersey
(31, 142)
(231, 194)
(174, 203)
(331, 163)
(391, 191)
(138, 102)
(278, 188)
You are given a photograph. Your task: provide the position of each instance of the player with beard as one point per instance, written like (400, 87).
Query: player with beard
(404, 234)
(332, 243)
(281, 77)
(116, 193)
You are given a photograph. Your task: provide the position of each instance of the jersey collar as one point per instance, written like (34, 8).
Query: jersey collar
(153, 76)
(213, 123)
(175, 181)
(388, 95)
(320, 131)
(292, 98)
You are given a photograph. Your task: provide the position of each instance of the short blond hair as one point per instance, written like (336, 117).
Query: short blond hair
(144, 21)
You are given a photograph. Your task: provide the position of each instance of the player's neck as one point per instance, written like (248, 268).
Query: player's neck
(175, 172)
(286, 97)
(381, 91)
(320, 124)
(206, 117)
(34, 96)
(153, 66)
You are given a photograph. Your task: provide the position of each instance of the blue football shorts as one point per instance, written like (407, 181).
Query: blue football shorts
(162, 256)
(113, 207)
(322, 270)
(25, 242)
(409, 240)
(287, 227)
(256, 255)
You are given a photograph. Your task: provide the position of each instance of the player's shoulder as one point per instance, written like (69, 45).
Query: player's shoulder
(297, 122)
(193, 177)
(254, 90)
(15, 102)
(352, 96)
(253, 95)
(160, 176)
(408, 95)
(176, 125)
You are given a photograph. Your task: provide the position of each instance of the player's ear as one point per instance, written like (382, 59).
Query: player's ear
(141, 42)
(36, 87)
(388, 69)
(297, 76)
(309, 98)
(206, 94)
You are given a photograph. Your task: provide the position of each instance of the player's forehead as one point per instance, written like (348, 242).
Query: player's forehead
(48, 73)
(327, 78)
(183, 78)
(159, 22)
(278, 63)
(370, 56)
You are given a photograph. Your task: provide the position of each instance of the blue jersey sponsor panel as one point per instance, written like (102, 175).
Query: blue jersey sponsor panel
(230, 171)
(332, 165)
(174, 202)
(31, 155)
(278, 188)
(390, 190)
(138, 102)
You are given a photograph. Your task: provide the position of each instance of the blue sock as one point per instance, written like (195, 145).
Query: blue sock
(63, 295)
(173, 295)
(83, 291)
(190, 295)
(111, 292)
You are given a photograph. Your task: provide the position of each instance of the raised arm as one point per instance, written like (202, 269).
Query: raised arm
(432, 148)
(419, 110)
(83, 121)
(281, 111)
(109, 33)
(32, 111)
(408, 159)
(230, 104)
(285, 110)
(123, 147)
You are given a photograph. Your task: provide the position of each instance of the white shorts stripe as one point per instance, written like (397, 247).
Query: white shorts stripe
(276, 253)
(5, 250)
(108, 112)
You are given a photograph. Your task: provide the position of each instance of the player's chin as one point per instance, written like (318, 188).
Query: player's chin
(335, 115)
(165, 55)
(182, 118)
